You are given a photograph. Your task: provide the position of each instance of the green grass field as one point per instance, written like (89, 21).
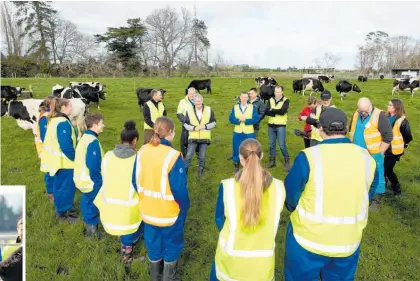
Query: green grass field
(58, 251)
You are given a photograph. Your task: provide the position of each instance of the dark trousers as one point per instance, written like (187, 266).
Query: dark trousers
(184, 141)
(389, 164)
(192, 147)
(307, 142)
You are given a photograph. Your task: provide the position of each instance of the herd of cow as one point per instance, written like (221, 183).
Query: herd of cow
(81, 94)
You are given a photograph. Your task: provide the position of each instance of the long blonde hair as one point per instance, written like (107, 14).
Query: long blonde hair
(163, 127)
(254, 180)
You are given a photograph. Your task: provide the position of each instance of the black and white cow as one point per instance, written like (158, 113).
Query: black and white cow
(332, 77)
(410, 85)
(267, 92)
(9, 93)
(200, 85)
(381, 76)
(297, 86)
(265, 81)
(66, 92)
(144, 95)
(324, 78)
(91, 91)
(343, 87)
(311, 84)
(362, 78)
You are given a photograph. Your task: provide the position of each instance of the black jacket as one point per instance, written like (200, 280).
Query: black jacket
(273, 112)
(147, 115)
(11, 268)
(407, 137)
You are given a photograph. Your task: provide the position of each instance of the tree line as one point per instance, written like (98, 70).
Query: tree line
(39, 41)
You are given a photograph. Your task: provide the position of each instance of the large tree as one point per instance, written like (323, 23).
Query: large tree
(35, 16)
(124, 41)
(12, 32)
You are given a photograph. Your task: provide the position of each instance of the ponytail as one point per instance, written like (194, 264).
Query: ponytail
(163, 127)
(56, 104)
(155, 139)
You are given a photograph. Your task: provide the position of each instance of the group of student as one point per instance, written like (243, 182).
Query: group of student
(144, 193)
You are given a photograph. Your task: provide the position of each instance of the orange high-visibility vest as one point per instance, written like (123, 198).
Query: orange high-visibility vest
(157, 204)
(397, 144)
(371, 133)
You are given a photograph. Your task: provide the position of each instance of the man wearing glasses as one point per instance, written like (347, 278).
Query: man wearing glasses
(370, 129)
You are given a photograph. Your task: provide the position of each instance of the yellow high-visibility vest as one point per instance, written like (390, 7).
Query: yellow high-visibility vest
(315, 135)
(278, 119)
(371, 132)
(333, 208)
(242, 128)
(205, 119)
(155, 113)
(397, 144)
(38, 141)
(117, 200)
(245, 253)
(81, 174)
(184, 105)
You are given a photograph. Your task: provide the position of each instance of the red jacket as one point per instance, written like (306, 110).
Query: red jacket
(305, 112)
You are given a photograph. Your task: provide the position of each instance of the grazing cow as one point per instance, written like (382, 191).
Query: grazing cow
(144, 95)
(90, 91)
(267, 92)
(381, 76)
(66, 93)
(297, 86)
(3, 107)
(265, 81)
(343, 87)
(200, 85)
(331, 77)
(362, 78)
(411, 85)
(311, 84)
(9, 93)
(324, 78)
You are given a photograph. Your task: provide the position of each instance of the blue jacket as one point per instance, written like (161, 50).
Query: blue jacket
(177, 182)
(64, 139)
(43, 123)
(255, 117)
(93, 160)
(298, 176)
(220, 209)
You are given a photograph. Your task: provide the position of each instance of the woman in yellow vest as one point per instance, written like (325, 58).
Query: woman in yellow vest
(401, 138)
(118, 200)
(247, 215)
(41, 129)
(199, 120)
(164, 200)
(58, 158)
(11, 258)
(87, 171)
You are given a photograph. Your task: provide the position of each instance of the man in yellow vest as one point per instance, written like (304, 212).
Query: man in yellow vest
(370, 129)
(152, 110)
(243, 116)
(329, 204)
(277, 120)
(199, 121)
(184, 105)
(87, 172)
(313, 119)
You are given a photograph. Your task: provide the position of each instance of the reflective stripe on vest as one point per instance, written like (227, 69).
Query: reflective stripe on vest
(371, 132)
(278, 119)
(234, 258)
(117, 200)
(242, 128)
(53, 159)
(81, 174)
(310, 222)
(155, 113)
(157, 204)
(315, 135)
(184, 105)
(205, 119)
(38, 141)
(397, 144)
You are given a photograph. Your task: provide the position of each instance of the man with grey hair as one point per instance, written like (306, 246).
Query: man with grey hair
(199, 121)
(184, 105)
(370, 129)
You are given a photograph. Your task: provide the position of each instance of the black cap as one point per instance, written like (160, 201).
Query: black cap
(333, 119)
(325, 95)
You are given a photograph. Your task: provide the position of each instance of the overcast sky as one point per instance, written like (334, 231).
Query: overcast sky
(13, 196)
(267, 34)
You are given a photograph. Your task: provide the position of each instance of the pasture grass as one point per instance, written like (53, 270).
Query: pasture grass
(58, 251)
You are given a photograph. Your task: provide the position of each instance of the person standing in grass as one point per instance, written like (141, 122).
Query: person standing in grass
(40, 130)
(58, 158)
(118, 199)
(152, 110)
(244, 116)
(401, 138)
(247, 216)
(306, 111)
(184, 105)
(11, 263)
(87, 171)
(164, 200)
(327, 191)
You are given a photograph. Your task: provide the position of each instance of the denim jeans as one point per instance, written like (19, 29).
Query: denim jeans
(278, 134)
(192, 146)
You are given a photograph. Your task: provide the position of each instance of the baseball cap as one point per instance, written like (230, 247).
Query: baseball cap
(325, 95)
(333, 119)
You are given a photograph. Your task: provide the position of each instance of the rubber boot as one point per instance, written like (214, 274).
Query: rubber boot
(397, 190)
(169, 271)
(286, 164)
(156, 270)
(272, 162)
(200, 172)
(230, 157)
(374, 204)
(126, 254)
(68, 217)
(91, 231)
(236, 167)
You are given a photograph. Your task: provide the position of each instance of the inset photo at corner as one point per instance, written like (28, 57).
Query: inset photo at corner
(12, 233)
